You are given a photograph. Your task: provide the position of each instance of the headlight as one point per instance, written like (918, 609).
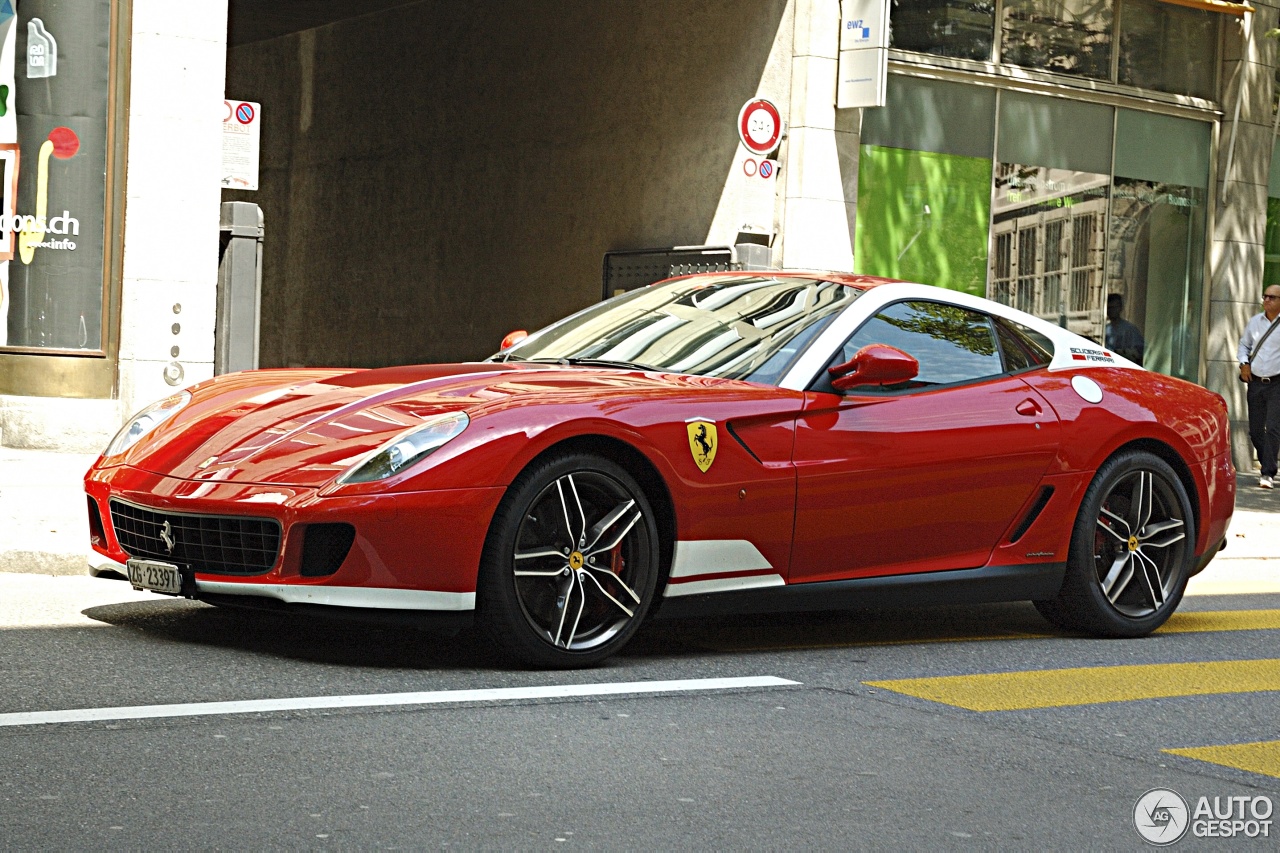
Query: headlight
(407, 448)
(145, 421)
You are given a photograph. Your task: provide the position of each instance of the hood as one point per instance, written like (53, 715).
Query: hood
(304, 428)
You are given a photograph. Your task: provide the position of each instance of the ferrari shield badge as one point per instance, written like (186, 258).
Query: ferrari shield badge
(702, 443)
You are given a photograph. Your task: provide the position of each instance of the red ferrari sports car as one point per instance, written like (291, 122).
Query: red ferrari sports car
(730, 442)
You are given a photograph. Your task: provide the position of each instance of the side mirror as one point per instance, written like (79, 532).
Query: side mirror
(874, 364)
(513, 338)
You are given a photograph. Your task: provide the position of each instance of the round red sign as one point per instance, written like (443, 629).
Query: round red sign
(760, 126)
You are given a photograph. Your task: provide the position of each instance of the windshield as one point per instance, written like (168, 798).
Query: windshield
(751, 327)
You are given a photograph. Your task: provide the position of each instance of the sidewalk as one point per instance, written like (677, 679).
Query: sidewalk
(44, 526)
(44, 522)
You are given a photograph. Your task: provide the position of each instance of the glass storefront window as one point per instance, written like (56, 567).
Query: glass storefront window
(1151, 44)
(956, 28)
(1157, 234)
(931, 227)
(1047, 228)
(1168, 48)
(1048, 209)
(1081, 202)
(53, 136)
(1063, 36)
(1157, 266)
(924, 178)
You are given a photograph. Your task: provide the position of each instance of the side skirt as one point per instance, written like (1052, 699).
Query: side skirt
(447, 622)
(960, 586)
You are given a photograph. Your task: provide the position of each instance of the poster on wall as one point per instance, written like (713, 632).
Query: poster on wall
(54, 79)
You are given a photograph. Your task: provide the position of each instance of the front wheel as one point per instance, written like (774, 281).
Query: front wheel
(1131, 551)
(570, 564)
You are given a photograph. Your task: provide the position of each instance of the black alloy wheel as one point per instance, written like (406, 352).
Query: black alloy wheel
(570, 563)
(1132, 548)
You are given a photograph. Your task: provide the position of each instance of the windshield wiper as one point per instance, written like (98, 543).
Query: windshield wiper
(605, 362)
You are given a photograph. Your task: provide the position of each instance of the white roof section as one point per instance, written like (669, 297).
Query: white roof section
(1070, 351)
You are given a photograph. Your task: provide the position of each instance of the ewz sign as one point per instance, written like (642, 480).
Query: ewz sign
(864, 54)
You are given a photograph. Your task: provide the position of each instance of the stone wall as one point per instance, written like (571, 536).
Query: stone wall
(438, 174)
(1236, 250)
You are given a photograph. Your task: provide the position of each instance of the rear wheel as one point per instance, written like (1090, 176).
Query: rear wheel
(1131, 550)
(570, 563)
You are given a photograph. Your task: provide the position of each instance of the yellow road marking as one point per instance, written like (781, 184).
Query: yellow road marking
(1057, 688)
(1221, 620)
(1261, 757)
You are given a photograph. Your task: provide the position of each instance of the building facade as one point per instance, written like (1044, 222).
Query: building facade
(436, 174)
(1054, 155)
(112, 139)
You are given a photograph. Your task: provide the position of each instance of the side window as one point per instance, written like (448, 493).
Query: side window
(1040, 344)
(1019, 354)
(952, 344)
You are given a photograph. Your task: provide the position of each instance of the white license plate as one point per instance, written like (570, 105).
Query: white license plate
(157, 577)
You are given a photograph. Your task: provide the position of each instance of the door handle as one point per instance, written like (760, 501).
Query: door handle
(1028, 408)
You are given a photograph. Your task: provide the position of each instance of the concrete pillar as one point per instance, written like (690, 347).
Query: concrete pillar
(1237, 247)
(173, 189)
(821, 160)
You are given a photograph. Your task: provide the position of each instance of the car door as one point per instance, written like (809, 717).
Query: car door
(927, 475)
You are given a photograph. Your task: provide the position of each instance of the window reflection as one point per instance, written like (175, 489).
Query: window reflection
(1157, 265)
(1168, 48)
(951, 344)
(740, 328)
(1046, 244)
(944, 27)
(1064, 36)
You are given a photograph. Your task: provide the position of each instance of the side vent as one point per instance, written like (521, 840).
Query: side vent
(97, 535)
(1032, 514)
(729, 426)
(324, 547)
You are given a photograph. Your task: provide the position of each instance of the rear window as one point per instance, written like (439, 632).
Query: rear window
(1039, 346)
(1019, 350)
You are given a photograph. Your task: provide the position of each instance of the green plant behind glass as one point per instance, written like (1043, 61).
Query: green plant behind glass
(923, 217)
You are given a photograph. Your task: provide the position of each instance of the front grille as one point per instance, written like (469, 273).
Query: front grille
(216, 544)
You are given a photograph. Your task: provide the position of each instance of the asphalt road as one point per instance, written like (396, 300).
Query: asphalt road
(868, 741)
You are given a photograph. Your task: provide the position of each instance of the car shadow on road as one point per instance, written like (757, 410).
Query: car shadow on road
(352, 643)
(341, 642)
(838, 629)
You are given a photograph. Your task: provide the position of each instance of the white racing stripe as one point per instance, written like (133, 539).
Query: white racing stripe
(715, 556)
(373, 700)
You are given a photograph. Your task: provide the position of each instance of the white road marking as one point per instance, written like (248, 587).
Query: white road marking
(373, 700)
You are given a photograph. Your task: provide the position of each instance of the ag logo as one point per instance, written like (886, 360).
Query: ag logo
(1161, 816)
(702, 443)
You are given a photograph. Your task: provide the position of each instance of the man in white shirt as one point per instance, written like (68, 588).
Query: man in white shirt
(1262, 372)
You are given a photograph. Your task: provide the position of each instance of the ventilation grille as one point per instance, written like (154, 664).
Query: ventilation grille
(215, 544)
(324, 548)
(96, 534)
(1032, 514)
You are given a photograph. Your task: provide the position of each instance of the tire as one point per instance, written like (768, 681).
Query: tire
(570, 563)
(1132, 549)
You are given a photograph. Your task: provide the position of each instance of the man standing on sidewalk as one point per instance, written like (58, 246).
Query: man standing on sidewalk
(1260, 367)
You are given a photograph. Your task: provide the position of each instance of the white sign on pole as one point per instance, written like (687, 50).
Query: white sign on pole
(756, 186)
(863, 78)
(241, 133)
(864, 54)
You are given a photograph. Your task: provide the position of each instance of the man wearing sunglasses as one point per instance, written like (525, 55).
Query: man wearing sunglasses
(1259, 357)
